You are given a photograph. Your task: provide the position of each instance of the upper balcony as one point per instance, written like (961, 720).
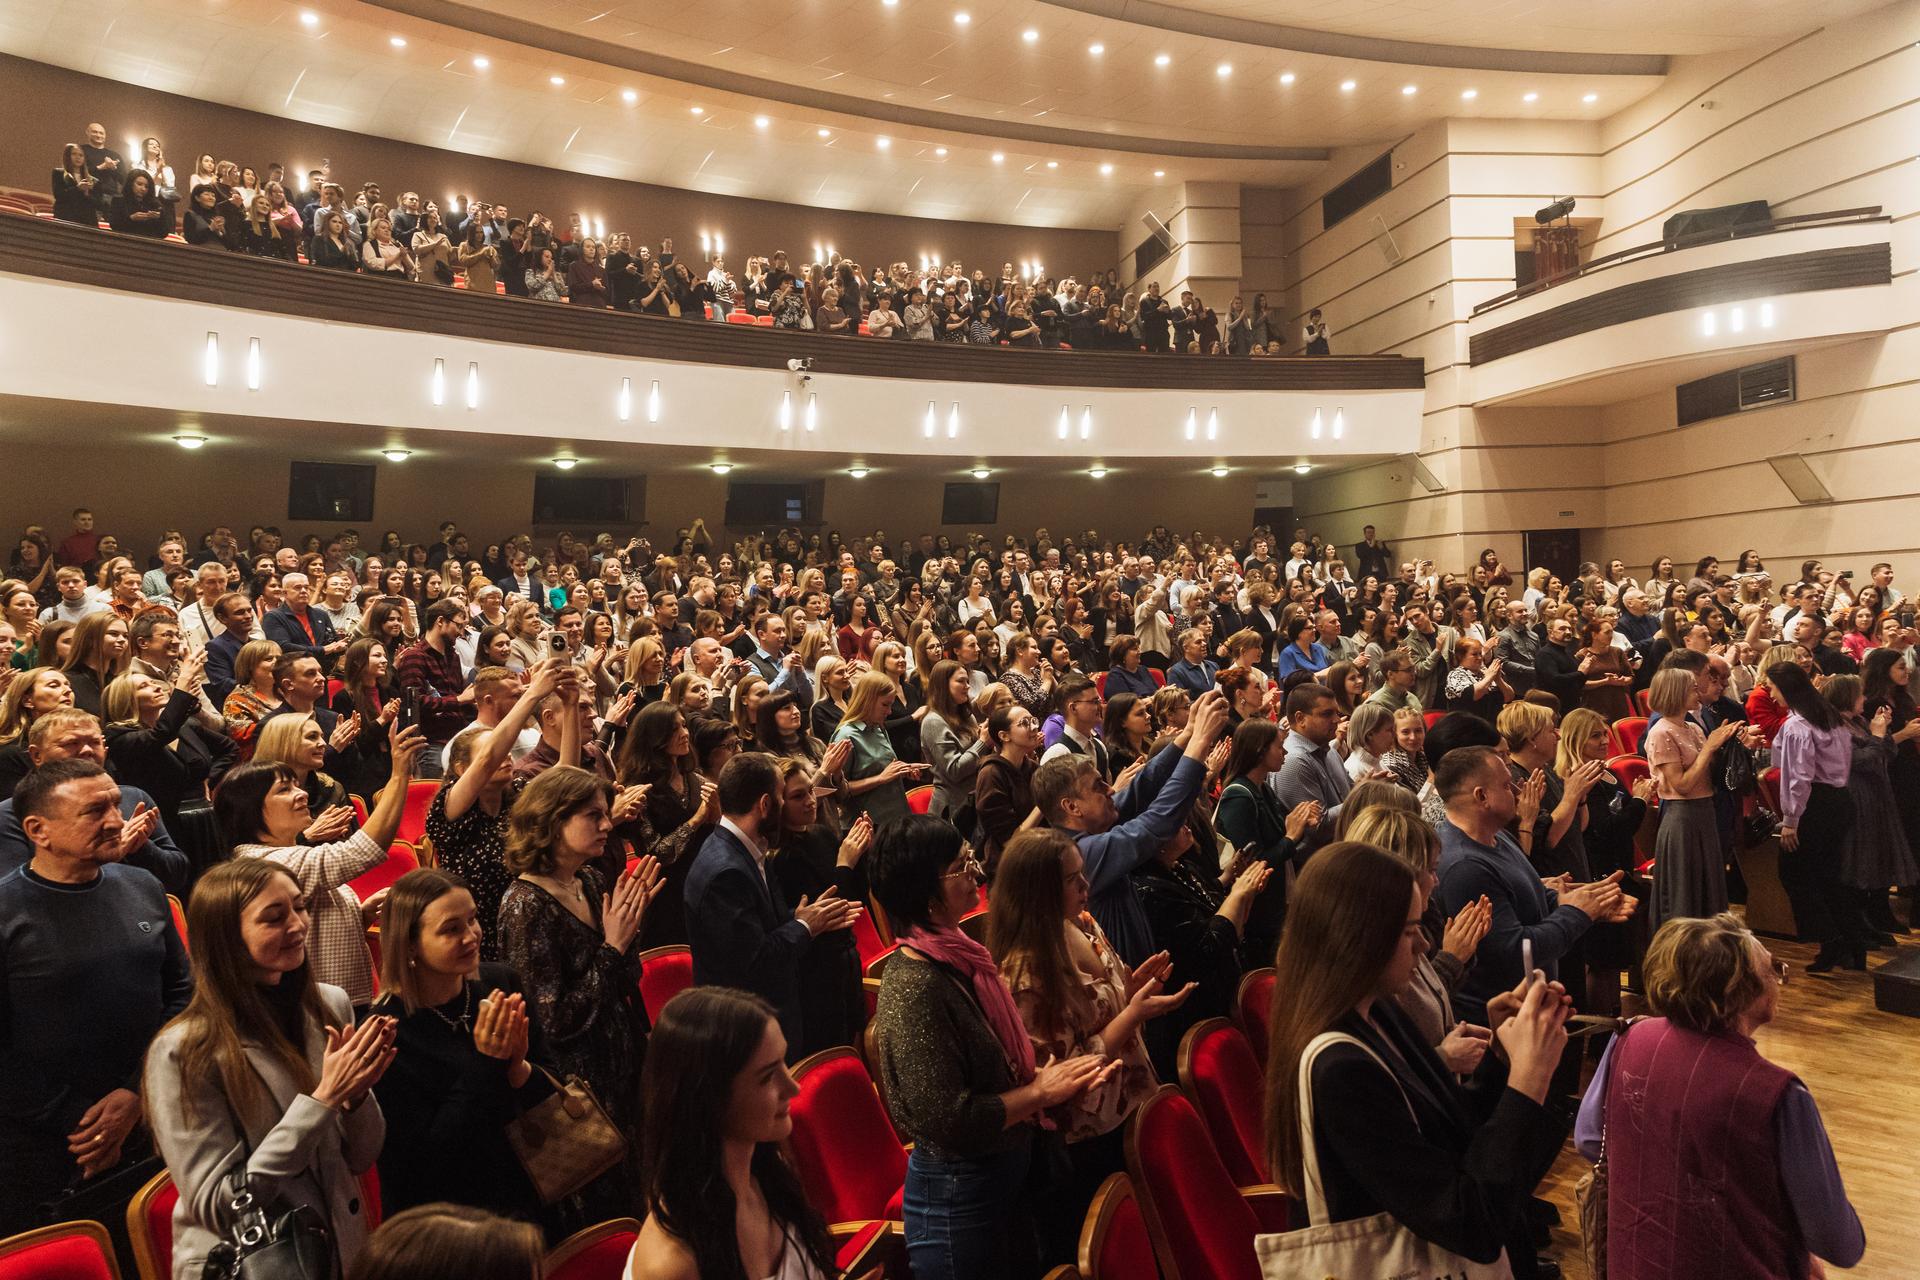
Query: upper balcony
(1666, 312)
(354, 349)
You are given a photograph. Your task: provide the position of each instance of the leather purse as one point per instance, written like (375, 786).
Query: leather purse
(565, 1141)
(267, 1243)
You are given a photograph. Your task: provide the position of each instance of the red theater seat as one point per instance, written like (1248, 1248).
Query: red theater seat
(664, 973)
(1252, 1008)
(594, 1253)
(1222, 1079)
(1114, 1243)
(844, 1147)
(1201, 1226)
(66, 1251)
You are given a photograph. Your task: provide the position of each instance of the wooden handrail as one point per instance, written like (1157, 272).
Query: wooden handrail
(1868, 213)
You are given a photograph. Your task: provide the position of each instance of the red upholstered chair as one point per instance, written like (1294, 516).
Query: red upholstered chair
(359, 808)
(1114, 1243)
(594, 1253)
(1252, 1009)
(664, 973)
(1100, 682)
(65, 1251)
(920, 799)
(1202, 1226)
(373, 1205)
(1159, 677)
(1641, 700)
(1435, 717)
(179, 920)
(843, 1145)
(868, 939)
(400, 860)
(1630, 770)
(150, 1227)
(1222, 1079)
(1625, 736)
(413, 818)
(974, 925)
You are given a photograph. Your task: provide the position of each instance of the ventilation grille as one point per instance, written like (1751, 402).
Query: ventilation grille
(1757, 386)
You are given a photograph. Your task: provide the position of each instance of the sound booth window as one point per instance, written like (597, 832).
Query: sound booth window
(971, 504)
(330, 491)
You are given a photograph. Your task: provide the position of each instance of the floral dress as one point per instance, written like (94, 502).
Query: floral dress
(1105, 1109)
(474, 847)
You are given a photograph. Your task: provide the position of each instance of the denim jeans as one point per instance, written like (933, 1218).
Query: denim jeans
(965, 1219)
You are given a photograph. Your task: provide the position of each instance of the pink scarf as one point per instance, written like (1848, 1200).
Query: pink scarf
(950, 947)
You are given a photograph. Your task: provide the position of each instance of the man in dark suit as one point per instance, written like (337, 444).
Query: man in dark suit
(523, 582)
(739, 927)
(298, 627)
(235, 613)
(1373, 556)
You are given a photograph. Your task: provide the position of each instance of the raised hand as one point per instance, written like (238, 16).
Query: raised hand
(858, 841)
(138, 828)
(1157, 965)
(1302, 817)
(1466, 930)
(1463, 1048)
(628, 803)
(354, 1060)
(333, 822)
(501, 1027)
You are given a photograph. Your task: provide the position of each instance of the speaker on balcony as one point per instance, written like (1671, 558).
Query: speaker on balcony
(1724, 218)
(1807, 488)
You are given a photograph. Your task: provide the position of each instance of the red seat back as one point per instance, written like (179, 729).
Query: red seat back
(150, 1227)
(1198, 1222)
(1629, 769)
(1222, 1079)
(664, 973)
(1100, 682)
(1642, 700)
(920, 799)
(179, 920)
(849, 1158)
(1252, 1009)
(1114, 1244)
(1159, 677)
(594, 1253)
(413, 818)
(1625, 737)
(1435, 717)
(400, 860)
(66, 1251)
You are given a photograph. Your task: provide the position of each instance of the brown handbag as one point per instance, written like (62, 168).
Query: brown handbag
(566, 1141)
(1590, 1194)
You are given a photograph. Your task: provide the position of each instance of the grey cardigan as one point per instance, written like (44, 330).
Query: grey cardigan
(955, 761)
(310, 1154)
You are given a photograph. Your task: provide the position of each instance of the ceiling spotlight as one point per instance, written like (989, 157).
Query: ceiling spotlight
(1468, 95)
(1408, 90)
(1219, 473)
(858, 473)
(629, 97)
(396, 455)
(999, 156)
(1106, 169)
(980, 473)
(1053, 164)
(1591, 98)
(1097, 472)
(1096, 49)
(824, 133)
(556, 81)
(1162, 59)
(698, 111)
(310, 18)
(1301, 468)
(719, 468)
(1348, 86)
(962, 18)
(189, 441)
(1030, 35)
(1159, 173)
(940, 151)
(398, 42)
(1286, 77)
(883, 143)
(1224, 70)
(1558, 209)
(566, 464)
(890, 3)
(1529, 97)
(761, 122)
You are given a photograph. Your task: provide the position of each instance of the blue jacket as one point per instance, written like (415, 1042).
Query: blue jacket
(282, 627)
(741, 930)
(1196, 679)
(222, 650)
(1151, 810)
(1138, 683)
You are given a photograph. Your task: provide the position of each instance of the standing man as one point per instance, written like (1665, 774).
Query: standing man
(1080, 712)
(431, 669)
(780, 669)
(1518, 647)
(1372, 555)
(108, 168)
(90, 969)
(233, 614)
(1312, 770)
(1318, 334)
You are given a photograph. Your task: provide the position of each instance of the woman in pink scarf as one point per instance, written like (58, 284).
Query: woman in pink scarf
(956, 1065)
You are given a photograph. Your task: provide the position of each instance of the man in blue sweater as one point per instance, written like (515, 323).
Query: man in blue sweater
(90, 969)
(1118, 834)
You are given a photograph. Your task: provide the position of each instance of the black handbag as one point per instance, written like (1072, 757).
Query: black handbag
(442, 272)
(1738, 771)
(268, 1242)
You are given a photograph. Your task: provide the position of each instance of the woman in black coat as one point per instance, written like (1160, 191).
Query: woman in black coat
(138, 211)
(73, 188)
(809, 860)
(1392, 1129)
(153, 743)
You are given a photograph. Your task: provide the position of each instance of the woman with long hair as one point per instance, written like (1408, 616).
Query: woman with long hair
(749, 691)
(1348, 684)
(1075, 996)
(1127, 729)
(810, 859)
(1003, 785)
(1887, 680)
(570, 938)
(720, 1199)
(154, 743)
(264, 1075)
(29, 695)
(779, 729)
(953, 740)
(1876, 853)
(1391, 1130)
(1251, 818)
(876, 780)
(73, 188)
(466, 1055)
(366, 678)
(1813, 752)
(681, 807)
(101, 654)
(296, 743)
(1614, 816)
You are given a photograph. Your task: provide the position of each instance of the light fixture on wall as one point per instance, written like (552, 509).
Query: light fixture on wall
(396, 454)
(1766, 315)
(189, 440)
(566, 464)
(1339, 423)
(1193, 422)
(1062, 431)
(719, 468)
(786, 410)
(1301, 468)
(1086, 422)
(926, 428)
(210, 360)
(859, 472)
(1709, 325)
(1737, 320)
(1097, 472)
(253, 364)
(813, 409)
(980, 473)
(623, 403)
(1316, 422)
(437, 385)
(473, 385)
(1213, 424)
(653, 401)
(953, 421)
(1221, 473)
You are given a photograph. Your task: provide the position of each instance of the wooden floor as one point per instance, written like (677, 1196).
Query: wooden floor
(1863, 1067)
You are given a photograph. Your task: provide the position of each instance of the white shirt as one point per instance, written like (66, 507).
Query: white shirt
(754, 847)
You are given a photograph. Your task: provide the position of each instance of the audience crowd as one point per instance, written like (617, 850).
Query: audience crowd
(1084, 785)
(480, 245)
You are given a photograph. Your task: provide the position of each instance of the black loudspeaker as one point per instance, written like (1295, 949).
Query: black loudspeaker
(1726, 217)
(1896, 985)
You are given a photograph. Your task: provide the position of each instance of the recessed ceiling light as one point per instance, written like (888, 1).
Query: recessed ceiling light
(556, 80)
(566, 464)
(1030, 35)
(1097, 473)
(189, 441)
(719, 468)
(398, 42)
(1224, 70)
(1159, 173)
(1591, 98)
(1162, 59)
(999, 156)
(1529, 97)
(858, 473)
(481, 64)
(1348, 86)
(1286, 77)
(1301, 468)
(699, 111)
(629, 96)
(1106, 168)
(940, 151)
(1408, 90)
(1096, 49)
(883, 143)
(980, 473)
(890, 3)
(962, 18)
(761, 122)
(1468, 95)
(1219, 472)
(825, 133)
(396, 455)
(310, 18)
(1053, 164)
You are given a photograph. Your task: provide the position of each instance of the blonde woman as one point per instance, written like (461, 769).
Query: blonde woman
(876, 779)
(298, 744)
(382, 254)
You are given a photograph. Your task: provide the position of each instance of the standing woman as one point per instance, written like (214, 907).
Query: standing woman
(264, 1075)
(1127, 729)
(1693, 874)
(832, 682)
(876, 781)
(100, 655)
(1003, 786)
(720, 1199)
(1476, 685)
(153, 742)
(73, 188)
(1875, 853)
(571, 941)
(478, 259)
(29, 695)
(366, 675)
(587, 277)
(1251, 818)
(1615, 814)
(1391, 1129)
(681, 807)
(432, 250)
(1887, 677)
(810, 860)
(953, 740)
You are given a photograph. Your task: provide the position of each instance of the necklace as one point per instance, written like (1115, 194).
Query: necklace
(464, 1023)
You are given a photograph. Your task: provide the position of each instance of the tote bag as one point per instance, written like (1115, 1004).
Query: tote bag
(1376, 1248)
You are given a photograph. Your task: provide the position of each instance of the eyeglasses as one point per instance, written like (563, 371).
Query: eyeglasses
(1780, 969)
(970, 869)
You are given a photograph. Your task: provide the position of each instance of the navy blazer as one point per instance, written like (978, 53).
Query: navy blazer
(742, 932)
(221, 652)
(283, 628)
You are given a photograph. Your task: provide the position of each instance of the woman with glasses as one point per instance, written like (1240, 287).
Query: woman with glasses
(1717, 1160)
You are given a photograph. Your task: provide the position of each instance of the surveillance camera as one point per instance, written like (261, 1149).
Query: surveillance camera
(800, 364)
(806, 379)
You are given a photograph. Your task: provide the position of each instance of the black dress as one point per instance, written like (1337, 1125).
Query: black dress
(447, 1106)
(1182, 905)
(666, 829)
(832, 1004)
(1614, 816)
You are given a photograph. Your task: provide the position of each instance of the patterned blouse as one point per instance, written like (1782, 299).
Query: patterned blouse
(1103, 996)
(1029, 691)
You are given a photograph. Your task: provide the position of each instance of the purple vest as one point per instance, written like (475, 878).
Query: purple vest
(1693, 1187)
